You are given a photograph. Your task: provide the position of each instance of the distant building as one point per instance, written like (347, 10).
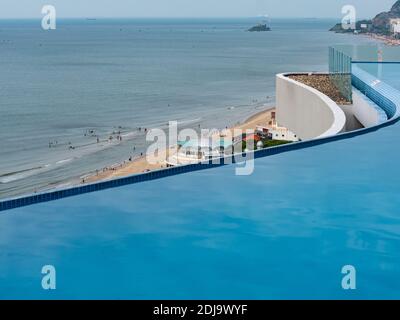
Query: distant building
(281, 133)
(365, 27)
(275, 132)
(395, 26)
(198, 150)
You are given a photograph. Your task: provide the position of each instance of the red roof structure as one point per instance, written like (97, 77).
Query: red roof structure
(254, 137)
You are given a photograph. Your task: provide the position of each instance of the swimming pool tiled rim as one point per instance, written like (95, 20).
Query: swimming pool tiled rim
(379, 92)
(382, 94)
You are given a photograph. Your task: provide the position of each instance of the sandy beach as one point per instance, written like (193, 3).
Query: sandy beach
(140, 165)
(385, 39)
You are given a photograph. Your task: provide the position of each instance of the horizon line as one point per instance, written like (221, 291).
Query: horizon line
(168, 17)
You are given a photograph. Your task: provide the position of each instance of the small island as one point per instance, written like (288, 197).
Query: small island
(260, 28)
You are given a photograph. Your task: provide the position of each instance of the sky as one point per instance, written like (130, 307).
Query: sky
(192, 8)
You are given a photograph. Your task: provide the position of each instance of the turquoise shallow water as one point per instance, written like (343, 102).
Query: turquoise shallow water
(284, 232)
(105, 74)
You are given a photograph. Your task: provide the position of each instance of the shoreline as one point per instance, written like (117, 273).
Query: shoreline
(257, 114)
(141, 165)
(385, 39)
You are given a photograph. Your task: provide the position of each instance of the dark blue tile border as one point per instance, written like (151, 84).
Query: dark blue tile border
(383, 95)
(376, 62)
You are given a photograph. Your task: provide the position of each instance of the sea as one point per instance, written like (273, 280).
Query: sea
(65, 92)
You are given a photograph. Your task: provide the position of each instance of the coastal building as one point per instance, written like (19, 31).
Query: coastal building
(282, 133)
(275, 132)
(199, 150)
(366, 26)
(395, 26)
(252, 137)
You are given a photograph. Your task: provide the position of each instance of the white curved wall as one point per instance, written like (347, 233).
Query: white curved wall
(306, 111)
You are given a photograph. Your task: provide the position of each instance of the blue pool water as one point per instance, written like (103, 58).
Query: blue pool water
(284, 232)
(388, 73)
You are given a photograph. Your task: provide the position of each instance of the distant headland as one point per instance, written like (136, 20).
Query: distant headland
(385, 26)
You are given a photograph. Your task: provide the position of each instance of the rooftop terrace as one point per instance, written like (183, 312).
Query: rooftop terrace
(324, 84)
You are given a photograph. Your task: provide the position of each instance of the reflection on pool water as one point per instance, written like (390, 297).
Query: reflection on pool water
(284, 232)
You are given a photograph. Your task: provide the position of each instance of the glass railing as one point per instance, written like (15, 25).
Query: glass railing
(342, 57)
(340, 72)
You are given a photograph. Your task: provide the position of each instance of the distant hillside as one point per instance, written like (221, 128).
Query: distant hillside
(379, 25)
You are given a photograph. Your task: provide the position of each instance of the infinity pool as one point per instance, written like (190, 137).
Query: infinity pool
(284, 232)
(390, 72)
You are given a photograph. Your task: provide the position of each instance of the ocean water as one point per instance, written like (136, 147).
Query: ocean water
(87, 78)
